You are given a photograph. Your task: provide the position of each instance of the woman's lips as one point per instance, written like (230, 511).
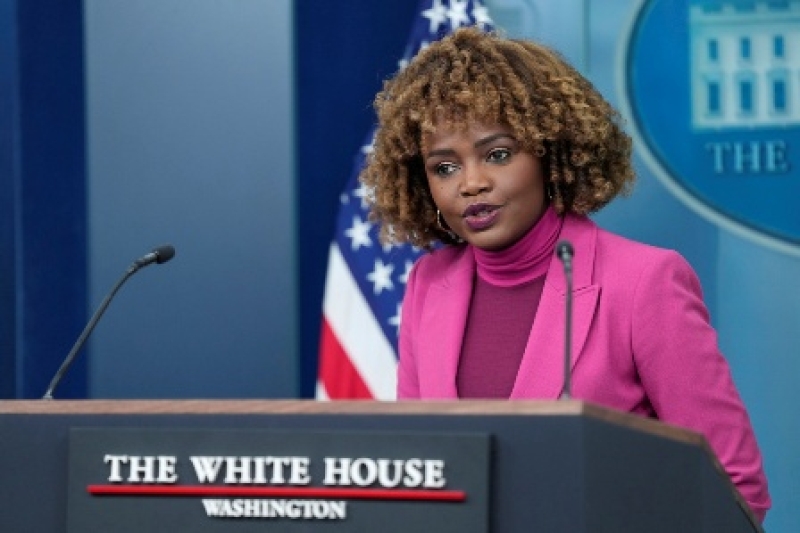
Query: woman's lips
(481, 216)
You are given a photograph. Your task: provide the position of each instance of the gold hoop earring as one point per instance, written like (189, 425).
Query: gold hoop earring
(443, 226)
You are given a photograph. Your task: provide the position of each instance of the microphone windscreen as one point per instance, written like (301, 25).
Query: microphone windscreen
(164, 253)
(564, 249)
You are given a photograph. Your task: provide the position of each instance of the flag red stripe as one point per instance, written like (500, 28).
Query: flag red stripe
(278, 492)
(336, 371)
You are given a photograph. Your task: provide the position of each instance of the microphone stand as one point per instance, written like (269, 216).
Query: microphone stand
(159, 255)
(565, 252)
(86, 332)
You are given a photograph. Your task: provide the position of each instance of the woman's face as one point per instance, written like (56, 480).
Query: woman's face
(488, 190)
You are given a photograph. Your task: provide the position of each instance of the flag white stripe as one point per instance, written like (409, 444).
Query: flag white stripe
(351, 320)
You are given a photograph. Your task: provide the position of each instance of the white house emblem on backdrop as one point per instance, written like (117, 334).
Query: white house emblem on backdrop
(713, 91)
(745, 64)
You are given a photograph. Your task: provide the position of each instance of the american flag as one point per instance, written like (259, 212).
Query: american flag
(365, 279)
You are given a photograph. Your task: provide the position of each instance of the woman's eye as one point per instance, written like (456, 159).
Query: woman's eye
(445, 169)
(498, 155)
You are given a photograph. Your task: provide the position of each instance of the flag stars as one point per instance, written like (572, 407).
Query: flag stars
(363, 193)
(481, 16)
(359, 233)
(396, 319)
(437, 15)
(458, 13)
(404, 277)
(381, 277)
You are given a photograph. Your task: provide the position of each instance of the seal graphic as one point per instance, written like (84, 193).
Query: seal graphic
(712, 88)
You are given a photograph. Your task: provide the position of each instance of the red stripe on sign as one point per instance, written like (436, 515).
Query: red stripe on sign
(336, 371)
(278, 492)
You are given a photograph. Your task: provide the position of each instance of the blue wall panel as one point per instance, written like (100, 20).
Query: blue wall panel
(190, 141)
(44, 181)
(8, 188)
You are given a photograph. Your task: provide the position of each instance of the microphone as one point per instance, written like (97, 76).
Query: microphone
(160, 255)
(565, 252)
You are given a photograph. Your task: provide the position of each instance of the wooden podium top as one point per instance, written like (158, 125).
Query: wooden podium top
(349, 407)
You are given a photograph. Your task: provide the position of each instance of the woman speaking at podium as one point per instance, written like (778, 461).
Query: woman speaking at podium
(497, 149)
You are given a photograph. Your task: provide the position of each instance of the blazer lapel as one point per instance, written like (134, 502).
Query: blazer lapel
(442, 329)
(541, 373)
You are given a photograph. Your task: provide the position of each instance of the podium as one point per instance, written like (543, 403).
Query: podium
(565, 466)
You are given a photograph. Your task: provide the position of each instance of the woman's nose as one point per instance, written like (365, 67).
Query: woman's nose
(474, 181)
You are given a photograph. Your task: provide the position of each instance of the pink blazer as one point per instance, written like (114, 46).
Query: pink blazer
(641, 342)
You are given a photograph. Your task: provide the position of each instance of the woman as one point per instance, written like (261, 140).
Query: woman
(498, 149)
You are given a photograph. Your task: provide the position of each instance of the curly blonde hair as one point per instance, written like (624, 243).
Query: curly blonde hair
(472, 77)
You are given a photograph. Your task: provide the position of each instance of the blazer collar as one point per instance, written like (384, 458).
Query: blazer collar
(541, 371)
(442, 331)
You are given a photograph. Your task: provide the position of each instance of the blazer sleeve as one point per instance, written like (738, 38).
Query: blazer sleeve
(686, 378)
(407, 377)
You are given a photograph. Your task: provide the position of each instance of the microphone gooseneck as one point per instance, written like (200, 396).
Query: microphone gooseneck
(565, 253)
(160, 255)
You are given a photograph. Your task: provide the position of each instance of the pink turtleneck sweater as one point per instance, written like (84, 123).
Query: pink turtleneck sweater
(505, 297)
